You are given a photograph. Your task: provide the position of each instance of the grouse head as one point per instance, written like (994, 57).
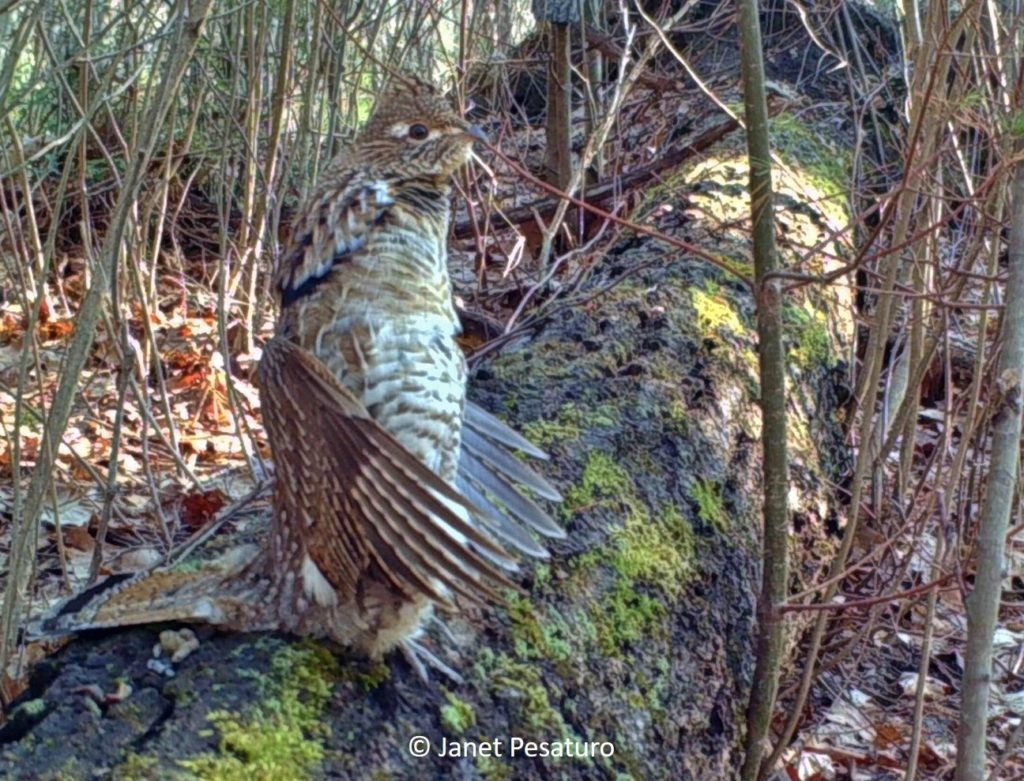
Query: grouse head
(416, 131)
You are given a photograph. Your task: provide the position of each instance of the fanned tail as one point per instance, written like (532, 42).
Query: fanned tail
(491, 477)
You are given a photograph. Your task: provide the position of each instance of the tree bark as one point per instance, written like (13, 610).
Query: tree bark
(772, 364)
(1003, 473)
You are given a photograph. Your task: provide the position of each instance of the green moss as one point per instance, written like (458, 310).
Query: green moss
(627, 616)
(538, 636)
(606, 415)
(493, 769)
(603, 481)
(137, 767)
(522, 683)
(671, 189)
(281, 737)
(184, 696)
(740, 265)
(133, 713)
(715, 311)
(370, 679)
(70, 770)
(566, 426)
(810, 345)
(656, 688)
(522, 686)
(541, 576)
(555, 360)
(710, 507)
(1017, 125)
(457, 715)
(29, 712)
(677, 414)
(658, 552)
(193, 564)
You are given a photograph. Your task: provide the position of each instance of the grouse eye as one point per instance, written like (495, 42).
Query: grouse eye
(418, 132)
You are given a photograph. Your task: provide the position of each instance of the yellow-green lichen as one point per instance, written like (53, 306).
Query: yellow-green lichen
(715, 311)
(280, 739)
(457, 715)
(709, 505)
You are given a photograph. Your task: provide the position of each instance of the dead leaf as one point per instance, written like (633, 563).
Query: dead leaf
(888, 735)
(78, 538)
(198, 508)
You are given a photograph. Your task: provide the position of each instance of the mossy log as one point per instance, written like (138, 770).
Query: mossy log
(636, 634)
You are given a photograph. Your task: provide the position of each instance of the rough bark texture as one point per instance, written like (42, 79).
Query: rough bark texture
(639, 629)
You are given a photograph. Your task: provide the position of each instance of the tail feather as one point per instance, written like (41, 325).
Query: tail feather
(517, 505)
(497, 521)
(501, 461)
(159, 596)
(483, 422)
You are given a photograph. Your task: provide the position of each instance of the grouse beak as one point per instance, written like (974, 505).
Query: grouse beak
(474, 132)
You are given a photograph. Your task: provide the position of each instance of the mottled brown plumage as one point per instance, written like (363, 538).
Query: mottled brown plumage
(391, 490)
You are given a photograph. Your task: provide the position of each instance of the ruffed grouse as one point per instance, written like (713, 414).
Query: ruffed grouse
(392, 491)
